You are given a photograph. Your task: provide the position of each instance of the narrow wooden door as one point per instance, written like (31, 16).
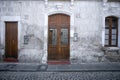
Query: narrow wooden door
(11, 40)
(58, 37)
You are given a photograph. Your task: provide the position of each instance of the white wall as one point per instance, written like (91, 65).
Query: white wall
(87, 18)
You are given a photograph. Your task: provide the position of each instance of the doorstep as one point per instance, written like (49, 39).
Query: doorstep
(58, 62)
(10, 60)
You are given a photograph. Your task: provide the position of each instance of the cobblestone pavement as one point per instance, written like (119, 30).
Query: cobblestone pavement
(59, 75)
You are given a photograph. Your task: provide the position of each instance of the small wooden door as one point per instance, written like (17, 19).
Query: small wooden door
(11, 40)
(58, 37)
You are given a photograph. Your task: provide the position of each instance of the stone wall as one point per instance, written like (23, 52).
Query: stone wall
(87, 20)
(88, 47)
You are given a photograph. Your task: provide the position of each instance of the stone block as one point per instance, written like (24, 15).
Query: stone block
(10, 9)
(2, 3)
(111, 49)
(4, 9)
(8, 4)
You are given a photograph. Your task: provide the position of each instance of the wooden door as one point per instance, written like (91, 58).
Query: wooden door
(11, 40)
(58, 37)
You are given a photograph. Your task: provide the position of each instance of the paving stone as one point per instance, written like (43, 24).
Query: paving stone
(60, 68)
(59, 75)
(42, 68)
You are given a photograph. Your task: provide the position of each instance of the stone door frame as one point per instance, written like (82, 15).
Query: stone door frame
(9, 19)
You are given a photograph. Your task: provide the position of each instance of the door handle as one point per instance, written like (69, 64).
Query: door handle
(61, 33)
(59, 49)
(13, 41)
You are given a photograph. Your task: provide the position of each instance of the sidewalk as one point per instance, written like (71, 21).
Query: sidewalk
(83, 67)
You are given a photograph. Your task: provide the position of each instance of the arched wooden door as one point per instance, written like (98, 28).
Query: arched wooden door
(59, 37)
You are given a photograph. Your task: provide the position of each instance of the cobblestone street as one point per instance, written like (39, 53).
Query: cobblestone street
(59, 75)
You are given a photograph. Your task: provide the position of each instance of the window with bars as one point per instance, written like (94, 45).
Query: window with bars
(111, 31)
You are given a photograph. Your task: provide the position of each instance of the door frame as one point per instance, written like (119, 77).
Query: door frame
(10, 19)
(103, 28)
(46, 15)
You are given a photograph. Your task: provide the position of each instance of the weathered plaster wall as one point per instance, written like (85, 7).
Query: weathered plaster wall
(87, 19)
(31, 15)
(87, 25)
